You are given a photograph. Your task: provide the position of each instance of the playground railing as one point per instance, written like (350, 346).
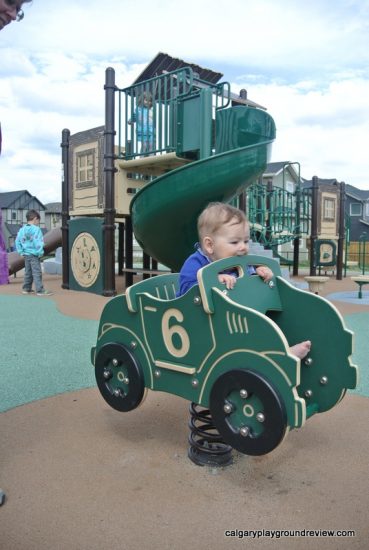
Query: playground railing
(147, 111)
(272, 214)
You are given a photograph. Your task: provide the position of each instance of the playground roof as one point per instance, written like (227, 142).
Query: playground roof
(163, 63)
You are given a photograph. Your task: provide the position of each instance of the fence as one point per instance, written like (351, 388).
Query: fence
(359, 252)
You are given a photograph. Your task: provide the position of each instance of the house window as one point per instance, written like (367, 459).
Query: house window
(85, 166)
(367, 209)
(290, 186)
(356, 209)
(14, 215)
(329, 212)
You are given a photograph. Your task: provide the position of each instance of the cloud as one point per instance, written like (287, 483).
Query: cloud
(307, 62)
(325, 130)
(15, 63)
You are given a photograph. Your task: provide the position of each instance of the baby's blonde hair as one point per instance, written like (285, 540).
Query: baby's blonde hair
(215, 216)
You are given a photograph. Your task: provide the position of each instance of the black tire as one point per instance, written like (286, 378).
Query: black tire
(263, 436)
(119, 377)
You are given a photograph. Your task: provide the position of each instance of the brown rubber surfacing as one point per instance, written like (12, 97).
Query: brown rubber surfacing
(79, 475)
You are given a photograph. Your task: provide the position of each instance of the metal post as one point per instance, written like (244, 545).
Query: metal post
(341, 232)
(65, 207)
(268, 221)
(129, 250)
(120, 248)
(206, 97)
(362, 253)
(314, 224)
(109, 171)
(347, 242)
(242, 201)
(146, 264)
(297, 231)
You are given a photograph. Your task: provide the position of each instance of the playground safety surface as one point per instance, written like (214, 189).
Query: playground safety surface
(79, 475)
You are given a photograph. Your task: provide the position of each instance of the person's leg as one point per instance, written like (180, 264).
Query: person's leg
(28, 278)
(37, 274)
(301, 349)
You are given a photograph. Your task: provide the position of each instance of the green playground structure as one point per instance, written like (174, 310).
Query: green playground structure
(226, 351)
(228, 146)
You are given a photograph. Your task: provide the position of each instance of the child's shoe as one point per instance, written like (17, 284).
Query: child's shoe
(24, 291)
(44, 293)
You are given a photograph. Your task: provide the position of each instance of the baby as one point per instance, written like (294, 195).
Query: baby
(224, 232)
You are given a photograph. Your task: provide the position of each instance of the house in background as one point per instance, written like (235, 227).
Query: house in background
(14, 206)
(280, 182)
(53, 215)
(357, 212)
(283, 178)
(328, 206)
(284, 175)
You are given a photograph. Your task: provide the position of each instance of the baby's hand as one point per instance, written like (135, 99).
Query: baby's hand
(264, 272)
(228, 280)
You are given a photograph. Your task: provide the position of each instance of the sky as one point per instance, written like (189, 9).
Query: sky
(306, 62)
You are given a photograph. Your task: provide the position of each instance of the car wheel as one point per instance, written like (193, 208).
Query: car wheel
(248, 412)
(119, 377)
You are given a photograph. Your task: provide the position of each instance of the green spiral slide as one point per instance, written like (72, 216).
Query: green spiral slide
(164, 213)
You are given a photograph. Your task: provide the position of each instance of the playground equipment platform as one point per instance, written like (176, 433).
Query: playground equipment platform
(80, 475)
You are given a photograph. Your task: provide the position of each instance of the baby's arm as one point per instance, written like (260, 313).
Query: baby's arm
(264, 272)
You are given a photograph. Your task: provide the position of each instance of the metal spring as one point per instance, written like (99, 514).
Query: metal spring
(206, 445)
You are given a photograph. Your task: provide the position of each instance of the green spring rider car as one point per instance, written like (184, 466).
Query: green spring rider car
(226, 350)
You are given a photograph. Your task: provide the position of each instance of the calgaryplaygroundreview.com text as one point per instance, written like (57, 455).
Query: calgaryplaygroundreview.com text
(280, 533)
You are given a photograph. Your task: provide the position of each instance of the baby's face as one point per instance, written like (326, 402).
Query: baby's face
(231, 240)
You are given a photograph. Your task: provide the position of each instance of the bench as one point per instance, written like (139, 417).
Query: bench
(316, 283)
(360, 280)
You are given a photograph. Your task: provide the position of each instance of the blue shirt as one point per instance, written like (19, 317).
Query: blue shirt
(29, 241)
(145, 124)
(188, 273)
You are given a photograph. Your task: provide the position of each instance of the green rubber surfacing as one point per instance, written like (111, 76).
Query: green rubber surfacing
(45, 353)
